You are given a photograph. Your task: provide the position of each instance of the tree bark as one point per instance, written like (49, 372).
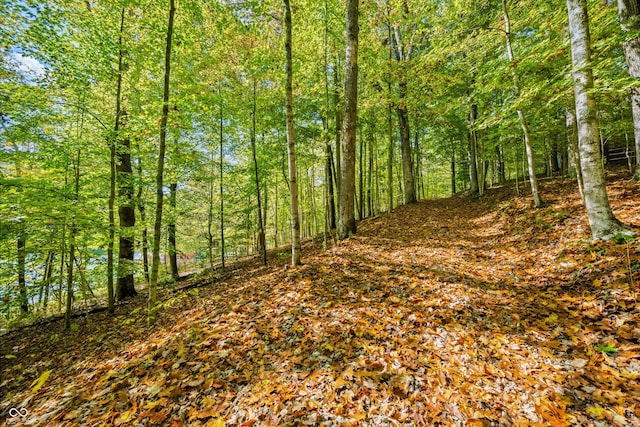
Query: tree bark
(221, 170)
(533, 181)
(162, 146)
(474, 189)
(262, 241)
(143, 218)
(346, 219)
(629, 14)
(171, 233)
(601, 219)
(126, 213)
(293, 180)
(22, 283)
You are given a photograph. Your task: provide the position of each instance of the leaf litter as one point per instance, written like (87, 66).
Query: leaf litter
(446, 312)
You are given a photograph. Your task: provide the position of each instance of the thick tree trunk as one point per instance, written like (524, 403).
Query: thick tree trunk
(533, 181)
(171, 233)
(293, 180)
(126, 212)
(162, 146)
(346, 219)
(603, 224)
(629, 13)
(405, 147)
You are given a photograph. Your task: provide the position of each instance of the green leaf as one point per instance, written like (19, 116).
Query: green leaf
(9, 356)
(36, 384)
(609, 349)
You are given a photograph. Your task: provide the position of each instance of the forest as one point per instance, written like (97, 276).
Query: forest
(331, 212)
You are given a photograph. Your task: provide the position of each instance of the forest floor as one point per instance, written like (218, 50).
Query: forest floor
(454, 311)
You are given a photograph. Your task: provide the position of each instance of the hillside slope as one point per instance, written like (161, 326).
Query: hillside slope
(446, 312)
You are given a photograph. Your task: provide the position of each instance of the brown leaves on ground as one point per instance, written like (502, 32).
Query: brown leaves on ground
(447, 312)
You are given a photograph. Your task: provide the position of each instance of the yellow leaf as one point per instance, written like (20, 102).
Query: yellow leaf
(9, 356)
(597, 411)
(218, 422)
(36, 384)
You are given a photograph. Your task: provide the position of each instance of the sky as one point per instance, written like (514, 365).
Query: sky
(28, 65)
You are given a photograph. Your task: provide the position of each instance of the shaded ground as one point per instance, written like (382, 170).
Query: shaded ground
(447, 312)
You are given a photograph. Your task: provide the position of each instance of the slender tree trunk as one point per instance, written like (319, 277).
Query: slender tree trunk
(453, 173)
(360, 205)
(537, 200)
(171, 233)
(500, 164)
(371, 144)
(338, 131)
(22, 283)
(46, 279)
(162, 146)
(293, 180)
(262, 241)
(629, 13)
(346, 219)
(601, 219)
(474, 189)
(210, 215)
(73, 231)
(330, 192)
(391, 147)
(143, 219)
(221, 170)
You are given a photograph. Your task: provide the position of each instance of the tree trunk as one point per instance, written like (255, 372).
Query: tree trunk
(162, 146)
(22, 283)
(391, 147)
(360, 205)
(221, 170)
(126, 212)
(372, 140)
(72, 247)
(346, 219)
(500, 165)
(629, 13)
(171, 233)
(330, 204)
(533, 181)
(405, 146)
(293, 181)
(143, 219)
(262, 241)
(474, 189)
(601, 219)
(453, 173)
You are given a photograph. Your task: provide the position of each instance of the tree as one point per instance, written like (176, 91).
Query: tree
(346, 218)
(537, 200)
(604, 224)
(629, 13)
(121, 148)
(157, 228)
(293, 180)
